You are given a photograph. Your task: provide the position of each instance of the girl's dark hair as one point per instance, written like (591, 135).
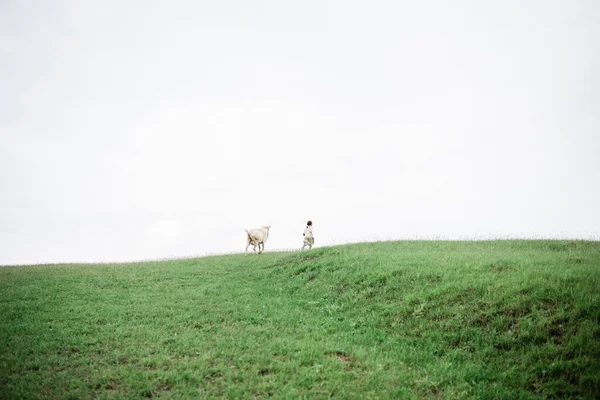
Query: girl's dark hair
(309, 223)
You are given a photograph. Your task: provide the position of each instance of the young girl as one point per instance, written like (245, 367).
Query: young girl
(309, 240)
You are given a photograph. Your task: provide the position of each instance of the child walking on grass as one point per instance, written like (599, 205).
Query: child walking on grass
(309, 239)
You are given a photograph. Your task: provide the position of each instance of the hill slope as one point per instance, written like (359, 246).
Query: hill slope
(502, 319)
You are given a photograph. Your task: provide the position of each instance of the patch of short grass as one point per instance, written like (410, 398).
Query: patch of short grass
(416, 319)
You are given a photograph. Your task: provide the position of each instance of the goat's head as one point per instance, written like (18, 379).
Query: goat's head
(266, 229)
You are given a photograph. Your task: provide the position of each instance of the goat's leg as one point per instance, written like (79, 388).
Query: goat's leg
(247, 245)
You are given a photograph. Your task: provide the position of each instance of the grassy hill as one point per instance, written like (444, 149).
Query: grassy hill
(498, 319)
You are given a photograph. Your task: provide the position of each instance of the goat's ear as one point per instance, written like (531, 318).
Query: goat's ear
(270, 226)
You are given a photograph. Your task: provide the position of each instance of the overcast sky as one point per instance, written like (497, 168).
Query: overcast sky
(147, 129)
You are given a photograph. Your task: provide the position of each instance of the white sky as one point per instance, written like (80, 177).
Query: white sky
(147, 129)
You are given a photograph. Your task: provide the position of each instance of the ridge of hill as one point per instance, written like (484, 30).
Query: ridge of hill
(409, 319)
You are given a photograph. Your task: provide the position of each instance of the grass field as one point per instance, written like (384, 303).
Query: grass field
(497, 319)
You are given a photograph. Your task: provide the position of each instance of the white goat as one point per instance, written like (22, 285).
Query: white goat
(257, 237)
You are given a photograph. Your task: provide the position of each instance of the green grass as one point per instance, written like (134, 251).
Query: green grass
(497, 319)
